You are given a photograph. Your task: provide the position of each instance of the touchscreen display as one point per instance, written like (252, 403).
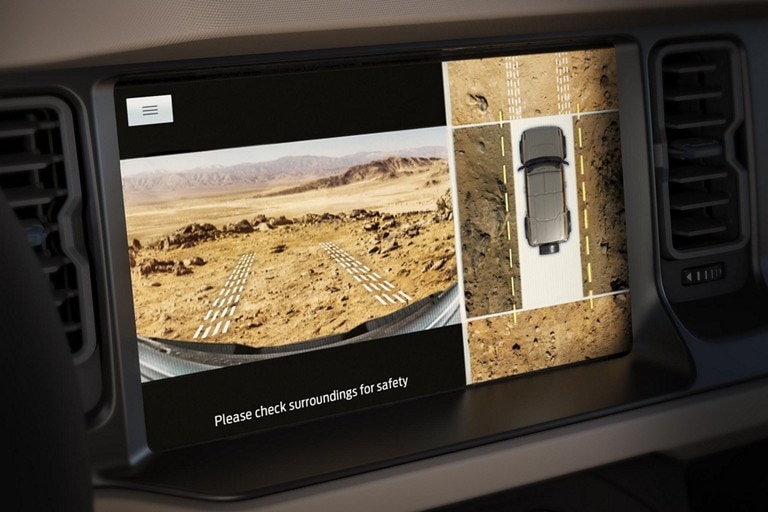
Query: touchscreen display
(311, 242)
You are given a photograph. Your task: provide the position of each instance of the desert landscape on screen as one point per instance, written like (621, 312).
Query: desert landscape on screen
(290, 249)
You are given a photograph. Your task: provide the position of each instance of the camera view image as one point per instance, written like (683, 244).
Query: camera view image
(541, 210)
(269, 250)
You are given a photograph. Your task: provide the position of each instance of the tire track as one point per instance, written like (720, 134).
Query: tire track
(514, 99)
(219, 317)
(563, 77)
(382, 290)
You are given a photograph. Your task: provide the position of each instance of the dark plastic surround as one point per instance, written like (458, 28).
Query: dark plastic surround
(657, 366)
(666, 361)
(45, 436)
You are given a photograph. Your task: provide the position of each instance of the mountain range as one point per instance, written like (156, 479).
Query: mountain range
(280, 172)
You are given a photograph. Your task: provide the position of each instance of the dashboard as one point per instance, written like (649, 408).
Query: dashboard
(391, 256)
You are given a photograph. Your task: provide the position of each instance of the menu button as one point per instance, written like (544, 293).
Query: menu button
(149, 110)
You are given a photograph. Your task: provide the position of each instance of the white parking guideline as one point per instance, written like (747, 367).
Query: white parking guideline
(374, 284)
(227, 300)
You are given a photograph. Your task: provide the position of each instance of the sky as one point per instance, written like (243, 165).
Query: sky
(336, 147)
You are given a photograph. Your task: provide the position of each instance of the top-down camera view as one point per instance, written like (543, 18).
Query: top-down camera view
(541, 209)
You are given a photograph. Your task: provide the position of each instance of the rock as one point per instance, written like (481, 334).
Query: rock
(390, 223)
(179, 269)
(360, 214)
(148, 267)
(194, 261)
(393, 246)
(281, 221)
(412, 231)
(243, 227)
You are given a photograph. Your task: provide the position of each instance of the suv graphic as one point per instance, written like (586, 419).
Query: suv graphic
(547, 220)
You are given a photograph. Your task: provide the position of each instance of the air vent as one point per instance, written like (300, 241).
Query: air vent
(40, 177)
(702, 183)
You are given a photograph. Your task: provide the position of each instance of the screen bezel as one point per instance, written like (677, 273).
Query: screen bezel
(656, 367)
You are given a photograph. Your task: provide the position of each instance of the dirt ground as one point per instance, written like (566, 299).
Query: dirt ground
(489, 92)
(509, 345)
(294, 289)
(523, 86)
(481, 168)
(604, 238)
(478, 90)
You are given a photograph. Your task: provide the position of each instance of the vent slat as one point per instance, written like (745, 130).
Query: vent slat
(691, 94)
(696, 174)
(51, 264)
(60, 295)
(684, 66)
(72, 327)
(26, 162)
(24, 128)
(695, 148)
(688, 121)
(32, 196)
(686, 201)
(691, 227)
